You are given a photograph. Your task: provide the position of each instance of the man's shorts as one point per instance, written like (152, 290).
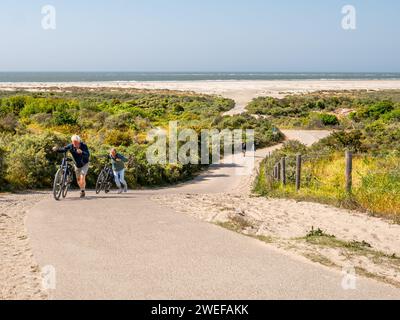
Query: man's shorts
(82, 171)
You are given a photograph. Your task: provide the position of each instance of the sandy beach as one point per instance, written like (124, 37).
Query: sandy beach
(242, 91)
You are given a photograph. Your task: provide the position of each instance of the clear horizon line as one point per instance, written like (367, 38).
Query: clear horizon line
(191, 71)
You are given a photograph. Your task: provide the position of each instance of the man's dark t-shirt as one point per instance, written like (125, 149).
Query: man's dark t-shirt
(80, 159)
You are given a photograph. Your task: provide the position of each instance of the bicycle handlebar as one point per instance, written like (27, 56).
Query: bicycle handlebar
(65, 156)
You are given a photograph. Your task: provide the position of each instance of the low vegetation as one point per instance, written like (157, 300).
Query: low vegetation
(320, 238)
(371, 130)
(343, 110)
(245, 227)
(32, 123)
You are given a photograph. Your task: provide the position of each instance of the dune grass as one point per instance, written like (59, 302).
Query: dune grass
(376, 184)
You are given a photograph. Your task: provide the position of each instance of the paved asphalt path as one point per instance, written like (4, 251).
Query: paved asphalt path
(129, 247)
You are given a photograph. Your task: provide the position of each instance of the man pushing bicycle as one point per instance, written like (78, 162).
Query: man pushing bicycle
(80, 153)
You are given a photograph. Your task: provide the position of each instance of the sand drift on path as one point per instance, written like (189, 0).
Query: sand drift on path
(368, 244)
(19, 273)
(285, 223)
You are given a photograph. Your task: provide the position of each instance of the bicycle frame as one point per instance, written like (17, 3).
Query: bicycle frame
(109, 175)
(63, 178)
(65, 164)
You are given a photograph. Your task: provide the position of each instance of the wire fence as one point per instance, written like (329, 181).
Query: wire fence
(302, 169)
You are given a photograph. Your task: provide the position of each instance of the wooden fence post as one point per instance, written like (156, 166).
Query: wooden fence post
(265, 170)
(268, 177)
(349, 171)
(298, 172)
(283, 173)
(279, 171)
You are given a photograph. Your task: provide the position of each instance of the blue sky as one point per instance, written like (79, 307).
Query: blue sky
(200, 35)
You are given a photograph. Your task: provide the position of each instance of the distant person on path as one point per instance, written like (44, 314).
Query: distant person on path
(244, 148)
(80, 153)
(118, 165)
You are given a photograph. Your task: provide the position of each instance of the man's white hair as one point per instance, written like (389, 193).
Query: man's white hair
(76, 138)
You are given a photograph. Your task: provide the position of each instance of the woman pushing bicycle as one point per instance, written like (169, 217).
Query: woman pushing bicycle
(118, 166)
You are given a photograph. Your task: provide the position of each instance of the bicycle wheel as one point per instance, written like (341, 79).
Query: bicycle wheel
(58, 185)
(108, 183)
(100, 183)
(67, 184)
(108, 186)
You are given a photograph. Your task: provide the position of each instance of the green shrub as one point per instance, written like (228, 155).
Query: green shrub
(329, 119)
(34, 106)
(392, 116)
(12, 105)
(375, 111)
(30, 161)
(178, 109)
(64, 118)
(341, 140)
(2, 168)
(119, 138)
(320, 104)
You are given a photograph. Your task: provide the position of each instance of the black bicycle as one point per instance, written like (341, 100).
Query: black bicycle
(63, 178)
(105, 180)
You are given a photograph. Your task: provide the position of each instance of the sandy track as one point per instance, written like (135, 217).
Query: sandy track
(19, 273)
